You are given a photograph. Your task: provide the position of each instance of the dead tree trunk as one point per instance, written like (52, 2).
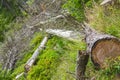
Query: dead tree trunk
(100, 46)
(82, 59)
(31, 61)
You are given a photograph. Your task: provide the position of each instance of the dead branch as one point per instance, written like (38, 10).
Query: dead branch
(19, 75)
(70, 35)
(31, 61)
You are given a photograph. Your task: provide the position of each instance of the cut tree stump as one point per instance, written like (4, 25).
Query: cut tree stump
(82, 59)
(100, 46)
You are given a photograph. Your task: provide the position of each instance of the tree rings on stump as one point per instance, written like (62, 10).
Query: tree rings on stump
(103, 49)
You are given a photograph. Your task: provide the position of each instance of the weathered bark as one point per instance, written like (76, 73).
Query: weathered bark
(101, 46)
(70, 35)
(82, 59)
(31, 61)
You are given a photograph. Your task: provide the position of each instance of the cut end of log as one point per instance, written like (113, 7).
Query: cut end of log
(101, 47)
(104, 49)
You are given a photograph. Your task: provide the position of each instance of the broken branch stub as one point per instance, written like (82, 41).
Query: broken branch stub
(82, 60)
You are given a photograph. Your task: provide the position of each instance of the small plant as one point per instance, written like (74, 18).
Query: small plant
(76, 8)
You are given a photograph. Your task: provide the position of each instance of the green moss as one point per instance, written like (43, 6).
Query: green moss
(45, 66)
(36, 39)
(58, 59)
(50, 59)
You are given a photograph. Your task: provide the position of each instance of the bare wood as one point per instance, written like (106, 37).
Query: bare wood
(31, 61)
(82, 60)
(105, 2)
(68, 34)
(19, 75)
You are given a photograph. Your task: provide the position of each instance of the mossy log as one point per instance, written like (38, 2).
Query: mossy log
(100, 46)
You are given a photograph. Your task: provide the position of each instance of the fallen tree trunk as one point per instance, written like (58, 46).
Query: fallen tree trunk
(101, 46)
(70, 35)
(82, 59)
(31, 61)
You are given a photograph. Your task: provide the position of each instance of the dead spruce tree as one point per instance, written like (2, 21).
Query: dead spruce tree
(14, 46)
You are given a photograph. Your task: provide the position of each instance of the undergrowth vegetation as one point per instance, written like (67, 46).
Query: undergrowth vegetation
(77, 8)
(57, 53)
(105, 19)
(50, 58)
(4, 21)
(110, 72)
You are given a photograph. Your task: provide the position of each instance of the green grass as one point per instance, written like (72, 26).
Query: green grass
(105, 20)
(57, 52)
(58, 60)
